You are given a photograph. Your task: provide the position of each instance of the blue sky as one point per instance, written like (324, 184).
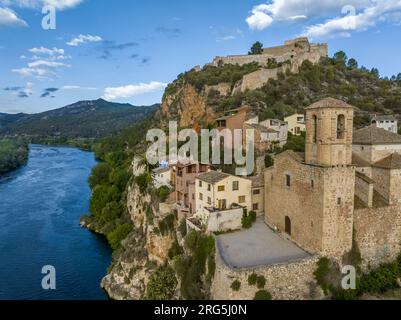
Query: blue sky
(128, 50)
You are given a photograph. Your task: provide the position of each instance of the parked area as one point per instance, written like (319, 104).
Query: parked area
(257, 246)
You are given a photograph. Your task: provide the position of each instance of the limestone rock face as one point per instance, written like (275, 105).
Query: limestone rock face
(187, 106)
(143, 250)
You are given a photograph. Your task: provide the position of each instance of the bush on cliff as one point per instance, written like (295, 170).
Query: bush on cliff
(162, 284)
(263, 295)
(117, 235)
(192, 266)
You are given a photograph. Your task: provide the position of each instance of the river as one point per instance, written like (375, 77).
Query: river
(40, 208)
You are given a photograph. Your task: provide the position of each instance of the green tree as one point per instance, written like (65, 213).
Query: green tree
(341, 57)
(119, 234)
(236, 285)
(352, 63)
(257, 48)
(268, 161)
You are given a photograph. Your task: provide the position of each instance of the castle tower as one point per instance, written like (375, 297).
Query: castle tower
(329, 130)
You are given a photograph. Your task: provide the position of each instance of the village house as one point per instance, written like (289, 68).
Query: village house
(386, 122)
(184, 176)
(221, 200)
(296, 124)
(233, 119)
(258, 194)
(162, 177)
(268, 134)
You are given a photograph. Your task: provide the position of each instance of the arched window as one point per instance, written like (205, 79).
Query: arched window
(288, 225)
(341, 127)
(314, 128)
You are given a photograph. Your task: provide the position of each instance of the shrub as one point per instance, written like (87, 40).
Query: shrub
(268, 161)
(183, 227)
(162, 193)
(162, 284)
(119, 234)
(252, 279)
(261, 282)
(100, 175)
(236, 285)
(175, 250)
(263, 295)
(143, 181)
(167, 224)
(248, 219)
(321, 274)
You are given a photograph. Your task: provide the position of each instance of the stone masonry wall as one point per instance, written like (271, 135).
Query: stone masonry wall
(292, 281)
(378, 234)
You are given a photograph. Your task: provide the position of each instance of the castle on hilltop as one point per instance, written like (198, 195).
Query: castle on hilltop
(295, 51)
(289, 56)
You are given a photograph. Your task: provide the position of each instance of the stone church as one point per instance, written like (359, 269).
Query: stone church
(345, 187)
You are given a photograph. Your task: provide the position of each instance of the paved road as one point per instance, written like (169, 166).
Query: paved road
(258, 246)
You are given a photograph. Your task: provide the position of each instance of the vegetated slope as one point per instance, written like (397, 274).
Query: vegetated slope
(84, 119)
(337, 77)
(13, 154)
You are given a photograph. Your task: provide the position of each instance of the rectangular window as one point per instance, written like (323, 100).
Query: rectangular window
(256, 192)
(209, 200)
(312, 184)
(221, 188)
(201, 196)
(255, 207)
(222, 204)
(235, 185)
(241, 199)
(200, 184)
(209, 187)
(288, 180)
(339, 201)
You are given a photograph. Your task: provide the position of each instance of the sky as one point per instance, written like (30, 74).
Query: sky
(129, 50)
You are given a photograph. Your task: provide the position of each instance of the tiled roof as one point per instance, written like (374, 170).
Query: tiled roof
(393, 161)
(212, 177)
(373, 135)
(257, 181)
(329, 103)
(359, 161)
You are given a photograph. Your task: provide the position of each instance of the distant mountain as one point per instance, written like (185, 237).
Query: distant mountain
(6, 118)
(84, 119)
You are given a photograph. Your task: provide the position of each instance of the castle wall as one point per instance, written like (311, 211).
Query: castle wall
(302, 202)
(291, 281)
(378, 234)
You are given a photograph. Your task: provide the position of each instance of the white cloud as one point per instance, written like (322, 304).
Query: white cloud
(48, 64)
(339, 17)
(81, 39)
(132, 90)
(72, 87)
(379, 11)
(39, 73)
(47, 51)
(260, 18)
(9, 18)
(36, 4)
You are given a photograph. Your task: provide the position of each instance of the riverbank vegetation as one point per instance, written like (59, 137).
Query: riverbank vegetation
(13, 154)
